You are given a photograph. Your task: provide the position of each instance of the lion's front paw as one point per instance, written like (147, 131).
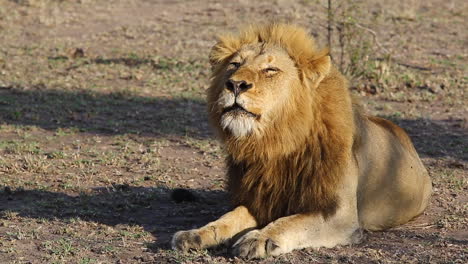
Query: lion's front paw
(255, 245)
(186, 240)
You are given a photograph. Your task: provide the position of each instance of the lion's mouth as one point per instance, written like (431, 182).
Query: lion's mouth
(237, 109)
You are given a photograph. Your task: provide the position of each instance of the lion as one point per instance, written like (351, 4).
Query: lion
(306, 166)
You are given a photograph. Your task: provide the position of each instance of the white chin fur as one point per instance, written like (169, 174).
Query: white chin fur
(239, 126)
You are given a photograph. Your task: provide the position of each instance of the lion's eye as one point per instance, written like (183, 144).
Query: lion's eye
(271, 70)
(234, 65)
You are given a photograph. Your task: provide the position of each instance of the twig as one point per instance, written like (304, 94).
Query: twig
(417, 67)
(330, 28)
(374, 35)
(415, 226)
(407, 65)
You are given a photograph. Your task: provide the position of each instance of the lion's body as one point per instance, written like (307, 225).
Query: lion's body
(393, 184)
(305, 164)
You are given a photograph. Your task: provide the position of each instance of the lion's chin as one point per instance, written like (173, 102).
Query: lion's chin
(239, 124)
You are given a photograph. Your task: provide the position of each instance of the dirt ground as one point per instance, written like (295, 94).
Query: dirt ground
(102, 115)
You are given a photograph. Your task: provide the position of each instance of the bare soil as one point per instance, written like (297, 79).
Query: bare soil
(102, 115)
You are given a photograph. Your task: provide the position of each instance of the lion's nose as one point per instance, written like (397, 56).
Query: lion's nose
(237, 87)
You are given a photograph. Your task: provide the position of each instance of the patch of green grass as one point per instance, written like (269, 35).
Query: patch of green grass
(454, 180)
(108, 249)
(20, 147)
(135, 234)
(18, 235)
(57, 154)
(87, 261)
(8, 250)
(444, 62)
(181, 257)
(60, 248)
(61, 132)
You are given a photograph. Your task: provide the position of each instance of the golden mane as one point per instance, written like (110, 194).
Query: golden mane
(295, 40)
(296, 163)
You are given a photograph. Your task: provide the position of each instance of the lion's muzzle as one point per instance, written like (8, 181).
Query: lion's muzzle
(238, 109)
(237, 87)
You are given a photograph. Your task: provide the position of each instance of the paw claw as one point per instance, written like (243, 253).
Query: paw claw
(254, 245)
(270, 246)
(186, 240)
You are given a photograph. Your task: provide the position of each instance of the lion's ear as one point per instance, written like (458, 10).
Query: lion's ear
(222, 50)
(319, 66)
(213, 56)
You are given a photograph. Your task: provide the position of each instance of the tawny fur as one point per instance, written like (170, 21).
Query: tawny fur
(295, 165)
(306, 166)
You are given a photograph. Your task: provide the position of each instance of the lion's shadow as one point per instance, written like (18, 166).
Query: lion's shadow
(151, 208)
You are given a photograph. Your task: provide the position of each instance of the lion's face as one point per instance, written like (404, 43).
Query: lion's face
(256, 82)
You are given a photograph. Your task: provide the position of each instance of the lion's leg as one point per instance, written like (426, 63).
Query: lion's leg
(296, 232)
(216, 232)
(307, 230)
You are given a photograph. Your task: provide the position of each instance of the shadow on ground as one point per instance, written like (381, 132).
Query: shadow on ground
(104, 113)
(156, 212)
(151, 208)
(162, 117)
(436, 139)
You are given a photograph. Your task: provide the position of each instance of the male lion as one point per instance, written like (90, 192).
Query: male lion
(306, 167)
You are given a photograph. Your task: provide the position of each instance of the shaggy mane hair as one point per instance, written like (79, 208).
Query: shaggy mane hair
(295, 164)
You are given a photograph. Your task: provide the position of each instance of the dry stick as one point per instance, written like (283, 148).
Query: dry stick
(341, 41)
(330, 22)
(341, 28)
(374, 35)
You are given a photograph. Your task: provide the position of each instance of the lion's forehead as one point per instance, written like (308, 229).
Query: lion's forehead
(262, 56)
